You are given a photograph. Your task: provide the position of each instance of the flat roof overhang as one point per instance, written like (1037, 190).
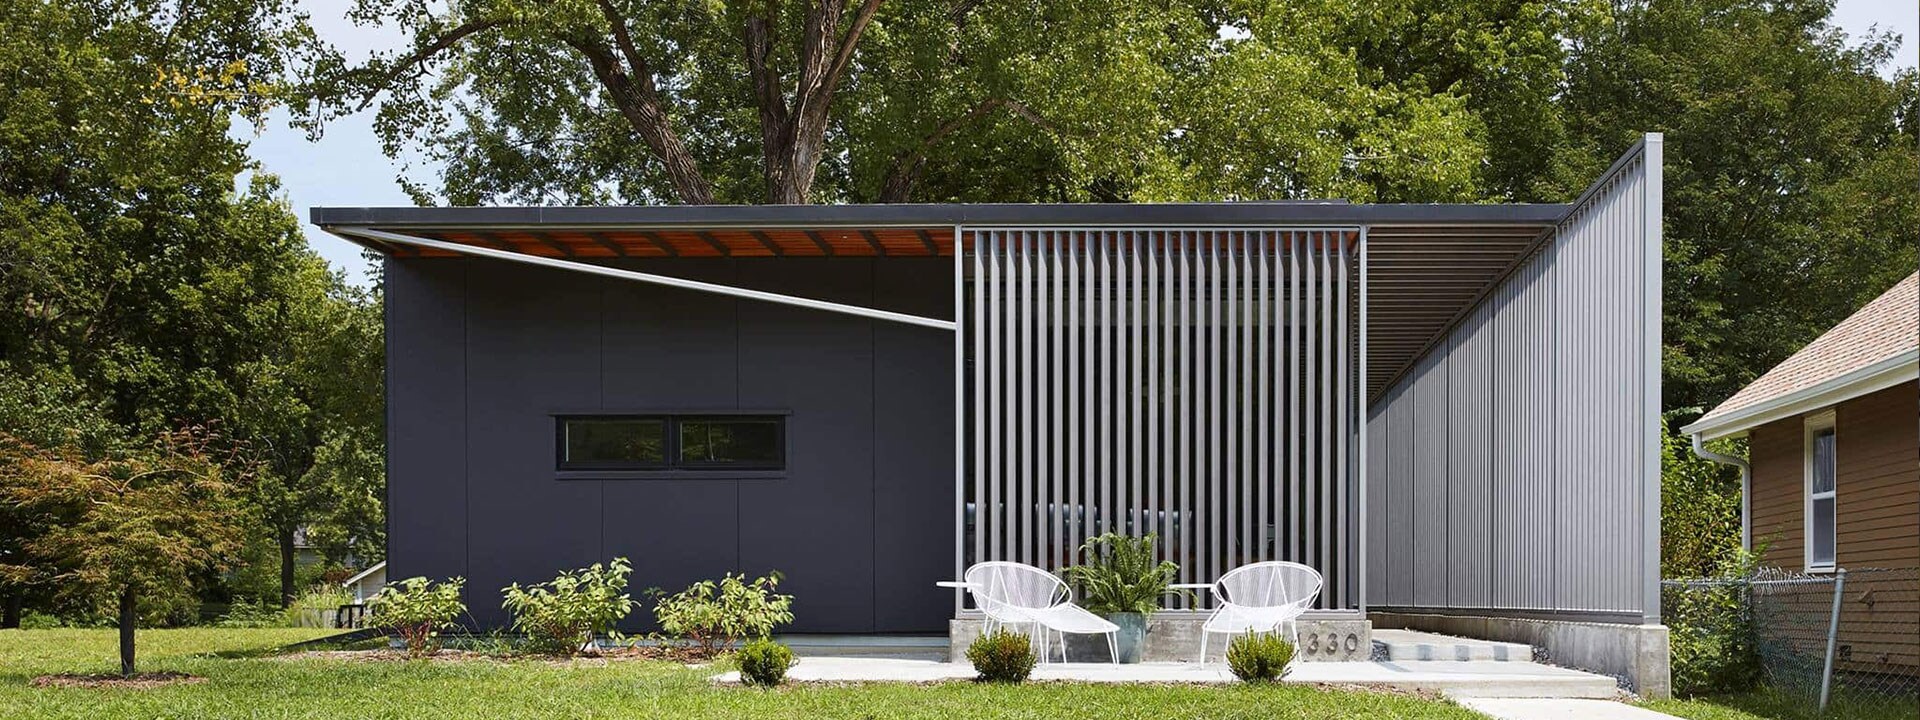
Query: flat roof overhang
(1428, 264)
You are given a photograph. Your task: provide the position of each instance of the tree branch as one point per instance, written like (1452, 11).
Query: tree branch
(422, 54)
(905, 168)
(640, 106)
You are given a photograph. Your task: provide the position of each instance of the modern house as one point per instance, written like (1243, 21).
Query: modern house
(1450, 410)
(1832, 474)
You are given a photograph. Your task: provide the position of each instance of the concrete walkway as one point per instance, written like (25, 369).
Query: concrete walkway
(1505, 679)
(1559, 709)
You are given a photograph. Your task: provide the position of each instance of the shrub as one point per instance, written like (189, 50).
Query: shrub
(562, 616)
(1120, 575)
(1259, 657)
(1002, 656)
(1710, 626)
(417, 610)
(764, 662)
(316, 607)
(252, 615)
(714, 615)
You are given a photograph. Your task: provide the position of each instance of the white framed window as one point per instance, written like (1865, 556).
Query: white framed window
(1820, 518)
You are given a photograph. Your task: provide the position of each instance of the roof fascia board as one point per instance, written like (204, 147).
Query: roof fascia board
(1870, 379)
(926, 216)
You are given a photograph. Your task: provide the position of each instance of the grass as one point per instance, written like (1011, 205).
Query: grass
(247, 679)
(1769, 704)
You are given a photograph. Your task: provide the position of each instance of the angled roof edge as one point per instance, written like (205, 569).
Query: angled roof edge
(922, 215)
(1901, 368)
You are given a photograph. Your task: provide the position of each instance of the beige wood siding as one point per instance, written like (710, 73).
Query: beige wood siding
(1877, 439)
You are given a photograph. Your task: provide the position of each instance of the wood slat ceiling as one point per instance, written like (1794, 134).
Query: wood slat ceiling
(618, 243)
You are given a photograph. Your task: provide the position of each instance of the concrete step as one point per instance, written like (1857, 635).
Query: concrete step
(1559, 709)
(1415, 645)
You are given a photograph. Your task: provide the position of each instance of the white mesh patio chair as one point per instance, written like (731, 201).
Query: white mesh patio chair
(1260, 597)
(1024, 596)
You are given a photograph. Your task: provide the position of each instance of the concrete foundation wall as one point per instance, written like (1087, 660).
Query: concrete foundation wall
(1637, 654)
(1175, 637)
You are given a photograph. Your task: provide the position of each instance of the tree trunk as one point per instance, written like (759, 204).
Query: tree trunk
(10, 617)
(127, 619)
(286, 567)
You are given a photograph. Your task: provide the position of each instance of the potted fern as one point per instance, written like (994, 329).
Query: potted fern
(1120, 581)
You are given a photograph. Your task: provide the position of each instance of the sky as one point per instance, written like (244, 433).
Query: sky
(347, 168)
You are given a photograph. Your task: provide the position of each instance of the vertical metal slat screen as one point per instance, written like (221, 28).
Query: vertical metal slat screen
(1195, 384)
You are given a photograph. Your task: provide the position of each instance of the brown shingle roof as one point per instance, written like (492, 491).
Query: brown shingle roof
(1886, 327)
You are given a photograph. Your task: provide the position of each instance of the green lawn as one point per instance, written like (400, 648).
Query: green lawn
(247, 680)
(1766, 704)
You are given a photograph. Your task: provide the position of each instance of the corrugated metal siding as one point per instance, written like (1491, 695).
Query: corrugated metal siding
(1521, 473)
(1470, 463)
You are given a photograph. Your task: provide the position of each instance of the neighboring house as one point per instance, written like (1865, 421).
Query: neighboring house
(367, 583)
(1451, 411)
(1832, 478)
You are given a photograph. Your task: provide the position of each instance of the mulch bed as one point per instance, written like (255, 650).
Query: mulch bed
(690, 656)
(138, 681)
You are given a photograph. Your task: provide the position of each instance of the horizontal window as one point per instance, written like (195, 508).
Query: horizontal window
(671, 442)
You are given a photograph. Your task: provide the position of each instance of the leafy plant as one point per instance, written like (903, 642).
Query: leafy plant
(1259, 657)
(764, 662)
(562, 615)
(1002, 656)
(1120, 575)
(714, 615)
(1711, 634)
(316, 606)
(417, 610)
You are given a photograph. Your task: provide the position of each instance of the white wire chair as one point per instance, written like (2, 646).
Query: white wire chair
(1021, 595)
(1259, 597)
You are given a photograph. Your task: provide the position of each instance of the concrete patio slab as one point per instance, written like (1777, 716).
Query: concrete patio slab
(1560, 709)
(1459, 679)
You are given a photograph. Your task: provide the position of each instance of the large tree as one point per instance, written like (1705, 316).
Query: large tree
(140, 291)
(1791, 171)
(599, 101)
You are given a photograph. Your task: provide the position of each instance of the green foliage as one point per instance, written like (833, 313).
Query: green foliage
(563, 614)
(316, 606)
(146, 285)
(1002, 656)
(1791, 164)
(1711, 633)
(1699, 504)
(1259, 657)
(417, 609)
(134, 532)
(1109, 100)
(1120, 575)
(764, 662)
(715, 615)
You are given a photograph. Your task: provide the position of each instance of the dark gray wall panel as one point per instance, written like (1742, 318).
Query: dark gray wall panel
(426, 419)
(484, 353)
(912, 471)
(533, 347)
(816, 526)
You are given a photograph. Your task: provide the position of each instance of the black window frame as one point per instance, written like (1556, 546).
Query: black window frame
(671, 448)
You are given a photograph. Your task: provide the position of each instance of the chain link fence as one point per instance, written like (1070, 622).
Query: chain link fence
(1844, 645)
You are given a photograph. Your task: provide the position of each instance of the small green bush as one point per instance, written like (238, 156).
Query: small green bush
(1002, 656)
(764, 663)
(1259, 657)
(562, 616)
(316, 607)
(417, 609)
(714, 615)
